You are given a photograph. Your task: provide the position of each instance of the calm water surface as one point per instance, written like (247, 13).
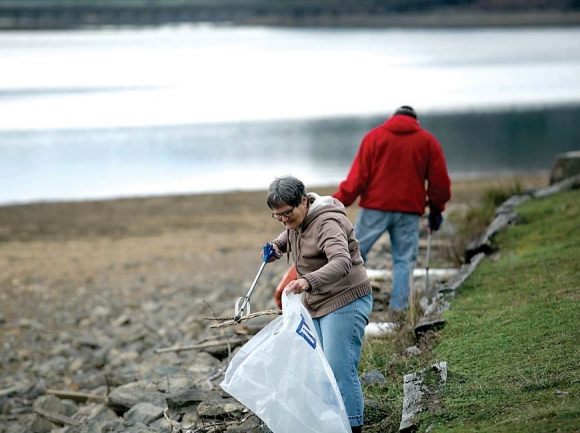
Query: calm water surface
(99, 114)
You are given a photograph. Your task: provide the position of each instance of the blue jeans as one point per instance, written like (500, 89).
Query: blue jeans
(341, 335)
(403, 229)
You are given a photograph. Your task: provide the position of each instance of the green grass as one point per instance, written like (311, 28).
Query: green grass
(512, 339)
(471, 223)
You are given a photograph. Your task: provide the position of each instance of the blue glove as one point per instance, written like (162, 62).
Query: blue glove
(434, 221)
(269, 253)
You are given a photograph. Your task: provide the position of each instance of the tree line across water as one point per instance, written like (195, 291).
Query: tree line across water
(44, 14)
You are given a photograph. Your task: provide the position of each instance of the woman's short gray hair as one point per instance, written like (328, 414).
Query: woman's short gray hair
(285, 191)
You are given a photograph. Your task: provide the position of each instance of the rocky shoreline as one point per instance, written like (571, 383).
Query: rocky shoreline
(104, 304)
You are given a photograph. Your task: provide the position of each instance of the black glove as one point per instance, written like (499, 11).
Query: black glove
(434, 221)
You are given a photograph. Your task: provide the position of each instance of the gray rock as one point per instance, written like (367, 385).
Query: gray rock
(89, 381)
(89, 340)
(414, 392)
(373, 377)
(12, 427)
(121, 377)
(113, 426)
(565, 165)
(52, 368)
(120, 359)
(137, 428)
(412, 351)
(70, 407)
(201, 364)
(175, 383)
(50, 403)
(7, 405)
(41, 425)
(188, 397)
(30, 324)
(62, 350)
(220, 409)
(64, 337)
(125, 397)
(97, 418)
(161, 426)
(144, 413)
(31, 390)
(251, 424)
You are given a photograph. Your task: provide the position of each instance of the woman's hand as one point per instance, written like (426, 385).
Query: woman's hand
(297, 286)
(274, 256)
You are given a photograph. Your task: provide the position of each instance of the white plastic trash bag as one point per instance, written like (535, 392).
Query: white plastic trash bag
(282, 376)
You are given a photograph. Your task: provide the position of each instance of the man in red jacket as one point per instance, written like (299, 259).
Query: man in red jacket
(398, 171)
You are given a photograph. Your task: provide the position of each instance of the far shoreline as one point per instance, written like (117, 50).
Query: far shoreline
(437, 20)
(440, 19)
(460, 179)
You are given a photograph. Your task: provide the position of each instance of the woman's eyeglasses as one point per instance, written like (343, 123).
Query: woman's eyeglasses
(286, 214)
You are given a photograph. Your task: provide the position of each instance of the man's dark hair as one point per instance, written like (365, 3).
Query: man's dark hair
(407, 111)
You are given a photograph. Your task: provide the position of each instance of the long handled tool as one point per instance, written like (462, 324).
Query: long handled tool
(427, 262)
(268, 253)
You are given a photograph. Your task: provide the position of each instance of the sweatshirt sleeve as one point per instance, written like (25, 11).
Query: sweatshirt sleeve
(439, 183)
(357, 178)
(282, 241)
(333, 242)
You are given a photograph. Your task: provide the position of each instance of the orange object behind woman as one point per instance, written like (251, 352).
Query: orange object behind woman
(290, 275)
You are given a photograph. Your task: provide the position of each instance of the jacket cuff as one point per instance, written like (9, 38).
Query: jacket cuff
(314, 284)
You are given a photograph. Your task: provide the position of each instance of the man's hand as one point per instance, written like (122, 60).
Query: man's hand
(434, 221)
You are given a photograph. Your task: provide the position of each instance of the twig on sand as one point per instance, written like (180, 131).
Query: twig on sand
(79, 397)
(200, 346)
(56, 417)
(232, 322)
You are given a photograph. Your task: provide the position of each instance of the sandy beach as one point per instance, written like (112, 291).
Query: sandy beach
(61, 262)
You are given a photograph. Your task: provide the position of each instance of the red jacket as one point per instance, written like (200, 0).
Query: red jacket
(391, 167)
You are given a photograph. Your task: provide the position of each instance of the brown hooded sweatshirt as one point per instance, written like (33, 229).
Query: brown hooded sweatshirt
(327, 255)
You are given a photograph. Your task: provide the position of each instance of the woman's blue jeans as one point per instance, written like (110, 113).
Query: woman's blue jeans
(403, 229)
(341, 335)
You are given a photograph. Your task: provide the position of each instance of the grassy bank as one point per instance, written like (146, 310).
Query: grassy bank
(511, 339)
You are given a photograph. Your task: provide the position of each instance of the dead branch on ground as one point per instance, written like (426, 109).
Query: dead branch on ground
(200, 346)
(229, 321)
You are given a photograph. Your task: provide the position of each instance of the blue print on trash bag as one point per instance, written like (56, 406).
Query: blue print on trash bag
(305, 332)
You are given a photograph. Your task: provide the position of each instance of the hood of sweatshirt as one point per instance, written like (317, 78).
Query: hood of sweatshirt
(402, 124)
(320, 205)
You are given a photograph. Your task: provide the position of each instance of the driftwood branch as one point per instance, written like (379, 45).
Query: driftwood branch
(200, 346)
(56, 417)
(232, 322)
(79, 397)
(7, 391)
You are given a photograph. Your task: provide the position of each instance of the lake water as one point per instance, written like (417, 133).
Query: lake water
(114, 113)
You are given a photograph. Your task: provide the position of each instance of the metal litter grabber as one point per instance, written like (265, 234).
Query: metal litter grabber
(427, 262)
(244, 308)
